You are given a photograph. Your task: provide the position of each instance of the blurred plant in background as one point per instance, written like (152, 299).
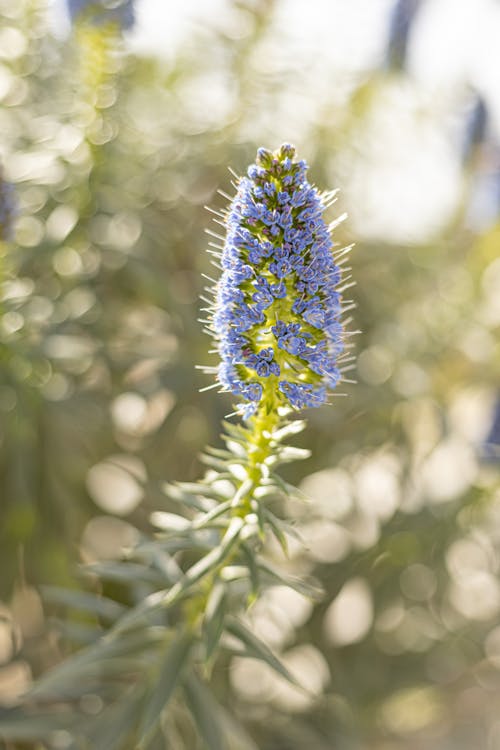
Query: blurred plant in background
(98, 396)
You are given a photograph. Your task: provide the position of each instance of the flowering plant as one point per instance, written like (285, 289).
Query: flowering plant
(276, 319)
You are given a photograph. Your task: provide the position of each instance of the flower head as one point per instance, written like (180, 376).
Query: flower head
(277, 311)
(7, 209)
(100, 12)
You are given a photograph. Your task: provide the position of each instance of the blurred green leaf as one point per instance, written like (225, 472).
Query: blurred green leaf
(84, 601)
(19, 724)
(162, 687)
(213, 620)
(257, 649)
(205, 712)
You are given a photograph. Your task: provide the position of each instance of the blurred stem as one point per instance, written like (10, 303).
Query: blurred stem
(95, 45)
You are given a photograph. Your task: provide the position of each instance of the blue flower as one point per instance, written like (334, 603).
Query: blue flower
(400, 27)
(103, 11)
(276, 316)
(8, 209)
(476, 128)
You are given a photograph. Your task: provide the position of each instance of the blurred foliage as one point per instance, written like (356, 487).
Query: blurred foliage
(112, 156)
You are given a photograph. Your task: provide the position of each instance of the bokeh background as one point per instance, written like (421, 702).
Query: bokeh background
(115, 132)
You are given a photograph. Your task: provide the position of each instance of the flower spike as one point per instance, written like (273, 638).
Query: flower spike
(276, 317)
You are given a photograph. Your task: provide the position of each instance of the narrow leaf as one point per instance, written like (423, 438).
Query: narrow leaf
(205, 712)
(310, 588)
(254, 572)
(114, 725)
(123, 572)
(292, 428)
(278, 528)
(162, 689)
(84, 601)
(76, 632)
(169, 521)
(213, 622)
(190, 496)
(216, 556)
(19, 724)
(289, 453)
(257, 649)
(206, 518)
(77, 669)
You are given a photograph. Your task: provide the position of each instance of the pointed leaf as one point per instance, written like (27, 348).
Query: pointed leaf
(292, 428)
(204, 520)
(215, 556)
(123, 572)
(170, 522)
(205, 713)
(84, 601)
(75, 671)
(189, 497)
(162, 688)
(254, 572)
(213, 622)
(289, 453)
(19, 724)
(308, 587)
(257, 649)
(280, 530)
(114, 725)
(76, 632)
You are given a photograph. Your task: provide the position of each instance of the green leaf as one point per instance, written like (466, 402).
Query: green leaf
(188, 495)
(288, 489)
(170, 522)
(76, 632)
(216, 556)
(292, 428)
(204, 520)
(308, 587)
(140, 614)
(220, 453)
(213, 621)
(168, 597)
(104, 657)
(289, 453)
(20, 724)
(113, 726)
(84, 601)
(236, 431)
(213, 462)
(205, 491)
(254, 572)
(205, 712)
(124, 572)
(280, 530)
(257, 649)
(161, 690)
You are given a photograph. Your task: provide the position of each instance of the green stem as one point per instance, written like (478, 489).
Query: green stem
(260, 445)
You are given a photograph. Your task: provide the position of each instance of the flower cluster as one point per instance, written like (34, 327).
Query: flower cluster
(276, 317)
(7, 209)
(100, 12)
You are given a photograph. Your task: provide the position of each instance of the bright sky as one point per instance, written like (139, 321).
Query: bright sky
(454, 42)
